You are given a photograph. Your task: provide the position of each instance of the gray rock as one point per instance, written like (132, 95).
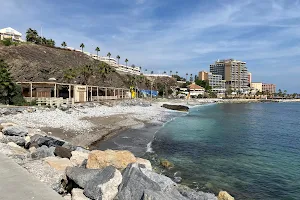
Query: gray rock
(16, 139)
(15, 131)
(49, 141)
(43, 152)
(134, 183)
(104, 186)
(157, 195)
(69, 146)
(194, 195)
(81, 149)
(177, 179)
(81, 175)
(62, 152)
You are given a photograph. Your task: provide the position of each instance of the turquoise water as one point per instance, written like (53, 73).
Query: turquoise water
(250, 150)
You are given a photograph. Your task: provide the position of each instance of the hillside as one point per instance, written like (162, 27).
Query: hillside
(30, 62)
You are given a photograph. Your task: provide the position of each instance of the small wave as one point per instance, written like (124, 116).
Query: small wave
(149, 148)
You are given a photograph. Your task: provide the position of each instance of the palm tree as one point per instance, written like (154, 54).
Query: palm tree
(176, 73)
(82, 46)
(170, 72)
(118, 57)
(186, 76)
(97, 50)
(109, 54)
(126, 60)
(191, 78)
(165, 72)
(152, 72)
(146, 70)
(64, 44)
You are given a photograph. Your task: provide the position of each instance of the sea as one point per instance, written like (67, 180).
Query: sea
(250, 150)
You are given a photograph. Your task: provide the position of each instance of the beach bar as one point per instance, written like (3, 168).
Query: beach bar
(72, 92)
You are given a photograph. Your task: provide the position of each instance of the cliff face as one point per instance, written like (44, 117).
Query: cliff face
(30, 62)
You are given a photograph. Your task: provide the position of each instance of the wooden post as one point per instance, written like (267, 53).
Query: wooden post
(122, 93)
(91, 93)
(70, 96)
(55, 90)
(30, 91)
(97, 93)
(114, 92)
(105, 93)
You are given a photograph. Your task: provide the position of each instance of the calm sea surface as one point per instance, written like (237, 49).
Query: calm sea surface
(250, 150)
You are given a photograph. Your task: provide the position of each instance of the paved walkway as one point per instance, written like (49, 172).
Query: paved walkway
(17, 184)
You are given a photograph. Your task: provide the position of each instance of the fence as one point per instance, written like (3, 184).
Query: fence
(54, 101)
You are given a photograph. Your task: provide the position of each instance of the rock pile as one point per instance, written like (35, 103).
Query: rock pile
(79, 174)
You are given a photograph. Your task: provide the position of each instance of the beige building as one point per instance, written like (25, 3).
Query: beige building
(256, 87)
(268, 88)
(234, 72)
(10, 33)
(203, 75)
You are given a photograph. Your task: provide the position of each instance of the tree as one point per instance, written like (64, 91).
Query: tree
(86, 72)
(118, 57)
(32, 36)
(170, 72)
(133, 65)
(126, 61)
(82, 46)
(177, 73)
(165, 72)
(64, 44)
(152, 72)
(279, 92)
(146, 70)
(186, 76)
(10, 93)
(204, 84)
(50, 42)
(191, 77)
(284, 92)
(109, 54)
(70, 74)
(97, 50)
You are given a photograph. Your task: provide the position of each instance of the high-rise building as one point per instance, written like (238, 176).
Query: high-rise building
(269, 88)
(234, 72)
(250, 77)
(215, 81)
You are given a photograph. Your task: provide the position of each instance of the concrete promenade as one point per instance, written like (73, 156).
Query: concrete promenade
(17, 184)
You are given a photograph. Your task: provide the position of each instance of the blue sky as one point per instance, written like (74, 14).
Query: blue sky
(184, 36)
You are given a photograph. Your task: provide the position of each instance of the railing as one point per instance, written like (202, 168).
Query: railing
(54, 102)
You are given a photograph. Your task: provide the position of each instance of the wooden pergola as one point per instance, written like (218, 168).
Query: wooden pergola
(92, 92)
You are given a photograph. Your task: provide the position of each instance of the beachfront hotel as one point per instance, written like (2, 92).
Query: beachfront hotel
(234, 72)
(256, 87)
(268, 88)
(9, 32)
(215, 81)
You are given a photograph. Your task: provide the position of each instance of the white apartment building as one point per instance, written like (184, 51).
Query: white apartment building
(10, 33)
(234, 72)
(215, 81)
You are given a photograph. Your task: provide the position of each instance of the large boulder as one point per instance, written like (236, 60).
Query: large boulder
(81, 175)
(158, 195)
(144, 162)
(42, 152)
(223, 195)
(78, 157)
(62, 152)
(134, 183)
(13, 150)
(59, 164)
(176, 107)
(16, 139)
(15, 131)
(195, 195)
(118, 159)
(104, 186)
(77, 194)
(49, 141)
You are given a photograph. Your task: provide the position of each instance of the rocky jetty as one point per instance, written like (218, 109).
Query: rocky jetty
(78, 174)
(176, 107)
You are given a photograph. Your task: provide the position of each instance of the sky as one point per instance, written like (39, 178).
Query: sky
(179, 35)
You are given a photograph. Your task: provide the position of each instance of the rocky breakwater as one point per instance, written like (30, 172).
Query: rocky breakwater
(176, 107)
(78, 174)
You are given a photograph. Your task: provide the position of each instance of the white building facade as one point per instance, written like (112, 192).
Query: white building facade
(9, 32)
